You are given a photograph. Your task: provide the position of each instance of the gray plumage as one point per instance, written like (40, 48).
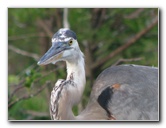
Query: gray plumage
(126, 92)
(136, 98)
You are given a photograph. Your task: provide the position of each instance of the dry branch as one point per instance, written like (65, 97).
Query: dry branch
(36, 114)
(134, 14)
(25, 36)
(58, 18)
(24, 53)
(21, 84)
(126, 60)
(45, 27)
(65, 18)
(127, 44)
(29, 96)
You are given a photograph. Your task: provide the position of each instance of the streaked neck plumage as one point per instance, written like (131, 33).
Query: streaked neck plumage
(76, 73)
(72, 90)
(76, 70)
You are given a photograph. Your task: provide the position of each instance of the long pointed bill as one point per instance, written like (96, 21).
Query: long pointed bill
(53, 54)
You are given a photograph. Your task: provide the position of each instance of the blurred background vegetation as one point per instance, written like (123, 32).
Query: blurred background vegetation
(106, 36)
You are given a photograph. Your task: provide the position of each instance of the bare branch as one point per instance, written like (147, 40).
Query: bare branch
(127, 44)
(98, 16)
(21, 84)
(36, 114)
(46, 74)
(126, 60)
(134, 14)
(26, 36)
(45, 27)
(58, 18)
(29, 96)
(65, 18)
(24, 53)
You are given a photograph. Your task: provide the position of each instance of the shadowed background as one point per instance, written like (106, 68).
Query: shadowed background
(106, 37)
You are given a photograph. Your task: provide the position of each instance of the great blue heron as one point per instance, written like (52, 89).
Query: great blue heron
(126, 92)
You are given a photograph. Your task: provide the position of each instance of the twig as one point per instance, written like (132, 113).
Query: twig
(126, 60)
(29, 96)
(58, 17)
(46, 74)
(98, 16)
(21, 86)
(36, 114)
(24, 53)
(134, 14)
(45, 27)
(65, 18)
(127, 44)
(25, 36)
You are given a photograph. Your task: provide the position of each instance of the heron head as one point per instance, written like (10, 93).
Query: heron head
(64, 47)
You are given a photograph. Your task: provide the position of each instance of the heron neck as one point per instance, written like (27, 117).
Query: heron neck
(76, 73)
(73, 92)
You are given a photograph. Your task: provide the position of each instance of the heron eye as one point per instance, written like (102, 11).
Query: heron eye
(70, 42)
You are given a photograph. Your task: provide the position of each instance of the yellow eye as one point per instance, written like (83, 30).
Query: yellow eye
(70, 42)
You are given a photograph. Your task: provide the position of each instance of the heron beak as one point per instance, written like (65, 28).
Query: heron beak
(54, 53)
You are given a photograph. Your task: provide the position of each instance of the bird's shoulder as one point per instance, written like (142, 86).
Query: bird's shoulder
(127, 76)
(134, 86)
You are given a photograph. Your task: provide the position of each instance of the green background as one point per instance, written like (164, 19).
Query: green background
(100, 32)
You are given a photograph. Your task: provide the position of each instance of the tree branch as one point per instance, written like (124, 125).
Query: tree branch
(26, 36)
(126, 60)
(45, 27)
(134, 14)
(65, 18)
(36, 114)
(29, 96)
(58, 17)
(24, 53)
(21, 84)
(127, 44)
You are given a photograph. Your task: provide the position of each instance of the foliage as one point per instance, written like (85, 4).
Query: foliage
(99, 31)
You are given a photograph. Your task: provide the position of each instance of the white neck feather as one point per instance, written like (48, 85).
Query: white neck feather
(72, 93)
(77, 70)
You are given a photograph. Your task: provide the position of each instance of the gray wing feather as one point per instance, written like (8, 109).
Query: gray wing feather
(137, 96)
